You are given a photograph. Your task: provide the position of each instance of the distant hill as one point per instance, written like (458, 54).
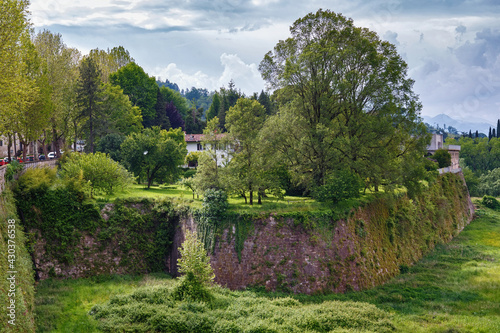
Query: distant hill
(461, 125)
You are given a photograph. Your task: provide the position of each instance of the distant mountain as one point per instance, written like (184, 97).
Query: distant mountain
(461, 125)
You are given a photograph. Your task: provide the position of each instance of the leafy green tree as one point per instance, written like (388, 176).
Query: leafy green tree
(443, 157)
(244, 121)
(195, 259)
(489, 183)
(210, 163)
(141, 89)
(194, 263)
(15, 87)
(110, 61)
(89, 95)
(101, 172)
(194, 124)
(213, 111)
(339, 186)
(173, 96)
(118, 115)
(110, 145)
(345, 99)
(161, 119)
(155, 154)
(229, 96)
(60, 64)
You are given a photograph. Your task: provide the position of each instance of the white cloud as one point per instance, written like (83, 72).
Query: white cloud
(245, 76)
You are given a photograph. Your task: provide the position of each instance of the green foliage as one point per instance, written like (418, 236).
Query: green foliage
(194, 261)
(141, 89)
(339, 186)
(443, 157)
(158, 309)
(110, 145)
(57, 209)
(490, 202)
(155, 154)
(12, 169)
(489, 183)
(101, 172)
(215, 205)
(12, 232)
(344, 100)
(143, 227)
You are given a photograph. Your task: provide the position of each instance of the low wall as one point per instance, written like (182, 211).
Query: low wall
(27, 165)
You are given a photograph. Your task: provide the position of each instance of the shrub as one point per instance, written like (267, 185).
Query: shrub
(195, 261)
(490, 202)
(99, 170)
(442, 157)
(215, 204)
(339, 186)
(12, 169)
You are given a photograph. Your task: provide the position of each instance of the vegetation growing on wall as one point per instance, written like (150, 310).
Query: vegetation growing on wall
(24, 294)
(58, 210)
(140, 232)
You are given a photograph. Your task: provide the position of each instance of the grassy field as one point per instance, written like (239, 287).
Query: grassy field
(454, 289)
(180, 194)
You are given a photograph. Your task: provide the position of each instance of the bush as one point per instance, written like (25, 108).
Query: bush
(339, 186)
(442, 157)
(215, 204)
(195, 261)
(99, 170)
(490, 202)
(12, 169)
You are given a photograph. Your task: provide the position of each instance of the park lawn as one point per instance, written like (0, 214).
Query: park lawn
(236, 204)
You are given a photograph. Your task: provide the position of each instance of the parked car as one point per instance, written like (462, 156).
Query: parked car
(30, 158)
(41, 157)
(51, 155)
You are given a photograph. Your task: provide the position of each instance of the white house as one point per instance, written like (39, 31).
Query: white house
(194, 144)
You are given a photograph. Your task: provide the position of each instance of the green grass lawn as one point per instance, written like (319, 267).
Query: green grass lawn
(180, 194)
(454, 289)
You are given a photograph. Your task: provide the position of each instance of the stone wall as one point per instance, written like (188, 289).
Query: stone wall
(300, 255)
(27, 165)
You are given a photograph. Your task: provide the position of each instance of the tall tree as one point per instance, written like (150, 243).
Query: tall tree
(244, 121)
(345, 102)
(111, 60)
(498, 128)
(229, 96)
(60, 65)
(174, 116)
(213, 111)
(141, 89)
(89, 94)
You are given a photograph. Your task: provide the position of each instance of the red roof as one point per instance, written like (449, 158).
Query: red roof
(198, 137)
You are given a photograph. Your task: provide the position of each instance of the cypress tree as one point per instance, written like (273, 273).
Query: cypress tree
(498, 128)
(489, 134)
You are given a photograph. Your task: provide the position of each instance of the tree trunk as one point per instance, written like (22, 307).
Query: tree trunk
(15, 146)
(259, 199)
(251, 198)
(8, 148)
(35, 152)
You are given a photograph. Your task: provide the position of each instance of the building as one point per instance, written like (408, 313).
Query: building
(194, 144)
(454, 150)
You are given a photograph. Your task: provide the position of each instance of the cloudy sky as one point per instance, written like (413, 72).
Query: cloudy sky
(452, 47)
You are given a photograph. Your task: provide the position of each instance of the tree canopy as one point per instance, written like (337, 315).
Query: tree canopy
(155, 154)
(345, 102)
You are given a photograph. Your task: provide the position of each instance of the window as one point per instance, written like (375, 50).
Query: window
(1, 143)
(199, 146)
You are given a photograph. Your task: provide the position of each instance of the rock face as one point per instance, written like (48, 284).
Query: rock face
(298, 252)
